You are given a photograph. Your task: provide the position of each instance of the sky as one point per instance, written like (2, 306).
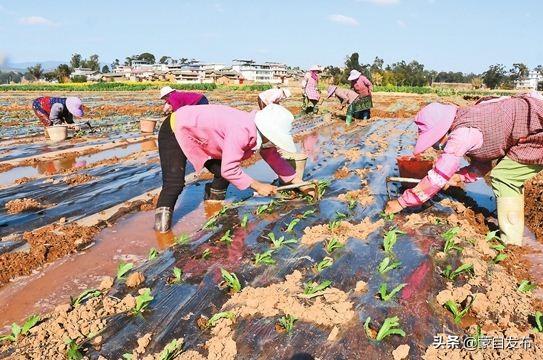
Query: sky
(456, 35)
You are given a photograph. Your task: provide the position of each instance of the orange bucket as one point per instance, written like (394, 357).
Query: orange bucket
(147, 125)
(414, 167)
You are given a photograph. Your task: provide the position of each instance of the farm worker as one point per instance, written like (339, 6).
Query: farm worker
(363, 88)
(219, 138)
(509, 131)
(176, 99)
(348, 97)
(310, 89)
(272, 96)
(57, 111)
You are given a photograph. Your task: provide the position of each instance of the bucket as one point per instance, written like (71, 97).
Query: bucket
(297, 161)
(147, 125)
(413, 167)
(57, 132)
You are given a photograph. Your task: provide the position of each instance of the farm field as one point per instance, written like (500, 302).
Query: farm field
(255, 277)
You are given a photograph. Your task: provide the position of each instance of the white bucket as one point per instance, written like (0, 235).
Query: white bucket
(57, 132)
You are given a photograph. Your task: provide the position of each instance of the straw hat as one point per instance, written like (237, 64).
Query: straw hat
(165, 91)
(275, 123)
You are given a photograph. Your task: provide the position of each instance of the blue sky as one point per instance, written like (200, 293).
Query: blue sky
(460, 35)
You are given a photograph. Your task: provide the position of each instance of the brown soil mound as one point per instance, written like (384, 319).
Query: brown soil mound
(78, 179)
(533, 193)
(46, 244)
(363, 196)
(17, 206)
(344, 231)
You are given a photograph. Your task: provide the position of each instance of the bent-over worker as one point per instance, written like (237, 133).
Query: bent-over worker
(176, 99)
(363, 88)
(57, 111)
(219, 138)
(509, 131)
(348, 97)
(273, 96)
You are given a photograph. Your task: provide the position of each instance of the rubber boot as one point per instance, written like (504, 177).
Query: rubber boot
(214, 194)
(511, 219)
(348, 119)
(163, 219)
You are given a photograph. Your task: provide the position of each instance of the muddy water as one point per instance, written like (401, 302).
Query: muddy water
(52, 167)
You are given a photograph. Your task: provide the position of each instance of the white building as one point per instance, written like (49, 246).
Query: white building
(269, 72)
(532, 82)
(83, 72)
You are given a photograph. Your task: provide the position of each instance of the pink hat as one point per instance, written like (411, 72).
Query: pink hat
(74, 106)
(433, 121)
(331, 90)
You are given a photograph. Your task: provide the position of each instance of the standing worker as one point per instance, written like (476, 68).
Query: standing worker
(272, 96)
(176, 99)
(57, 111)
(351, 98)
(310, 90)
(509, 131)
(363, 88)
(219, 138)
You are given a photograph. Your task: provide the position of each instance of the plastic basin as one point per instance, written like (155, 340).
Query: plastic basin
(57, 132)
(147, 125)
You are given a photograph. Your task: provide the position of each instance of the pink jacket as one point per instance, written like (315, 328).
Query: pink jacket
(362, 86)
(220, 132)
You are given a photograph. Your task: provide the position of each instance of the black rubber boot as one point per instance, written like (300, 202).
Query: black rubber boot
(214, 194)
(163, 219)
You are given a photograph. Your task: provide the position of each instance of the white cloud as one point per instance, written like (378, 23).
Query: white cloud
(401, 23)
(37, 20)
(382, 2)
(344, 20)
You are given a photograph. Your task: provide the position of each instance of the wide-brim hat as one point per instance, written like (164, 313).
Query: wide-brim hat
(355, 74)
(315, 68)
(74, 106)
(331, 90)
(275, 123)
(433, 122)
(165, 91)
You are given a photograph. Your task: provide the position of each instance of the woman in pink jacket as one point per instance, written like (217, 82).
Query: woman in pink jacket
(508, 130)
(219, 138)
(363, 87)
(310, 87)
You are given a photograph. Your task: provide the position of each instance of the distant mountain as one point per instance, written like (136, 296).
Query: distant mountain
(22, 66)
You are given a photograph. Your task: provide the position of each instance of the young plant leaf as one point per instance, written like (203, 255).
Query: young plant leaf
(142, 301)
(287, 323)
(451, 233)
(390, 327)
(383, 288)
(387, 265)
(312, 289)
(182, 239)
(291, 225)
(264, 258)
(206, 254)
(455, 310)
(226, 238)
(74, 351)
(451, 274)
(538, 317)
(526, 286)
(491, 235)
(231, 280)
(222, 315)
(499, 258)
(307, 214)
(324, 263)
(153, 253)
(171, 350)
(390, 239)
(244, 221)
(332, 245)
(177, 275)
(85, 295)
(123, 269)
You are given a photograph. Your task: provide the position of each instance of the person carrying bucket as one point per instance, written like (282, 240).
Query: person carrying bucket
(272, 96)
(58, 111)
(509, 131)
(363, 87)
(348, 97)
(219, 138)
(176, 99)
(310, 90)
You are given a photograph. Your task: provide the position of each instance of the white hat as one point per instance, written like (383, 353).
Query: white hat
(275, 123)
(355, 74)
(165, 91)
(287, 92)
(315, 68)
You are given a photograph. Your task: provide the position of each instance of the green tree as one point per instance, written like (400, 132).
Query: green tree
(105, 69)
(63, 72)
(377, 66)
(147, 57)
(75, 61)
(334, 73)
(36, 71)
(495, 76)
(164, 59)
(352, 62)
(519, 71)
(539, 69)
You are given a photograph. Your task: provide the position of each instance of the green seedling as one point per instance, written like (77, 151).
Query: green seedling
(264, 258)
(291, 225)
(451, 233)
(142, 302)
(206, 254)
(438, 221)
(231, 281)
(325, 263)
(223, 210)
(153, 253)
(498, 247)
(182, 239)
(308, 213)
(280, 242)
(127, 356)
(313, 289)
(450, 245)
(244, 221)
(123, 269)
(491, 235)
(322, 185)
(451, 274)
(477, 336)
(383, 288)
(386, 265)
(17, 330)
(85, 295)
(390, 327)
(171, 350)
(177, 275)
(454, 308)
(222, 315)
(268, 208)
(227, 237)
(387, 217)
(211, 223)
(499, 258)
(332, 245)
(538, 317)
(526, 286)
(352, 204)
(390, 239)
(74, 350)
(334, 224)
(287, 323)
